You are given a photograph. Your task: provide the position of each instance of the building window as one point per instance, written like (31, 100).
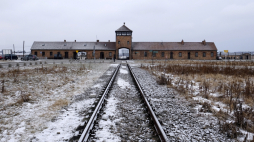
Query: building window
(162, 54)
(43, 44)
(180, 54)
(35, 53)
(51, 53)
(123, 33)
(128, 33)
(65, 44)
(118, 42)
(211, 54)
(110, 54)
(154, 54)
(204, 54)
(43, 53)
(128, 42)
(145, 54)
(196, 54)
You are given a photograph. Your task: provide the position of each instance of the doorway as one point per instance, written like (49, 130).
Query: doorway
(74, 55)
(101, 55)
(171, 55)
(188, 55)
(123, 54)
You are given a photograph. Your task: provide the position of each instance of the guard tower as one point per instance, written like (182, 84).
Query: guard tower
(123, 42)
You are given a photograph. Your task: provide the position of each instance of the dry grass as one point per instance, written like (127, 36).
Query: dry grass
(59, 103)
(232, 80)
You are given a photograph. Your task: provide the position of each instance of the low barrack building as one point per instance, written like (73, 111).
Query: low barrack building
(124, 48)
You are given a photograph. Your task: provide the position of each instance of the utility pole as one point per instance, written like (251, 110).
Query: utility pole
(94, 52)
(23, 47)
(14, 48)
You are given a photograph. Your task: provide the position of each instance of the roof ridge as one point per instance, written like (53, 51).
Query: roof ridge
(124, 28)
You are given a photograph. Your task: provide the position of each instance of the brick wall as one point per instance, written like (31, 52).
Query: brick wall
(71, 53)
(141, 55)
(123, 43)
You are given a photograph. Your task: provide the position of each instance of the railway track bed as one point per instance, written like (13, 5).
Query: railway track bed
(122, 114)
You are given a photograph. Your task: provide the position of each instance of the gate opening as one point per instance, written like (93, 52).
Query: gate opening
(124, 54)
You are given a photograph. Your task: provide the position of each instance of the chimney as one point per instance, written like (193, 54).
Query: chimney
(182, 42)
(97, 40)
(75, 40)
(204, 42)
(108, 40)
(64, 40)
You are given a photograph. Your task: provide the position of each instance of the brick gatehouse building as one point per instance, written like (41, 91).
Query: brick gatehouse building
(124, 48)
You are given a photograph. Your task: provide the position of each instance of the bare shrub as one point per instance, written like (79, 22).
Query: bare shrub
(17, 64)
(229, 129)
(1, 66)
(162, 80)
(9, 65)
(206, 107)
(31, 63)
(2, 86)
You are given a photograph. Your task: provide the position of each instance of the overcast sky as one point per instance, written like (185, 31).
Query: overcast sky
(227, 23)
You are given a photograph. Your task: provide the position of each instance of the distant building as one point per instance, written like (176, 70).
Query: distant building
(237, 55)
(124, 48)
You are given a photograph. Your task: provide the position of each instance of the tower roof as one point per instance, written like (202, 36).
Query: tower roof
(123, 29)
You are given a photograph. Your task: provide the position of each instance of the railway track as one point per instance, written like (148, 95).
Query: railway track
(136, 113)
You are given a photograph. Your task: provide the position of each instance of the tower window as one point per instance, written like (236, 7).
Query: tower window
(118, 42)
(211, 54)
(180, 54)
(123, 33)
(128, 33)
(118, 33)
(204, 54)
(128, 42)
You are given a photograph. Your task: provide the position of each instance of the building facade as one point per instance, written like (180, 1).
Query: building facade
(124, 48)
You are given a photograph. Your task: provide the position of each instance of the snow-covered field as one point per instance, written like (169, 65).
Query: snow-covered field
(42, 103)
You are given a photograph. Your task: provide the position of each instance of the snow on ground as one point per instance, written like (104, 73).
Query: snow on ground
(62, 128)
(123, 70)
(106, 124)
(42, 118)
(122, 83)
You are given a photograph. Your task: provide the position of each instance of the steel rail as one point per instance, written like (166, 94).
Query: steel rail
(157, 125)
(84, 136)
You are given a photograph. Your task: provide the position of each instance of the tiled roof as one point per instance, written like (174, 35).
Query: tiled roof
(73, 45)
(173, 46)
(112, 46)
(123, 29)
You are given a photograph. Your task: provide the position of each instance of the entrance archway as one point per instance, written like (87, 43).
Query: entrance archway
(123, 54)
